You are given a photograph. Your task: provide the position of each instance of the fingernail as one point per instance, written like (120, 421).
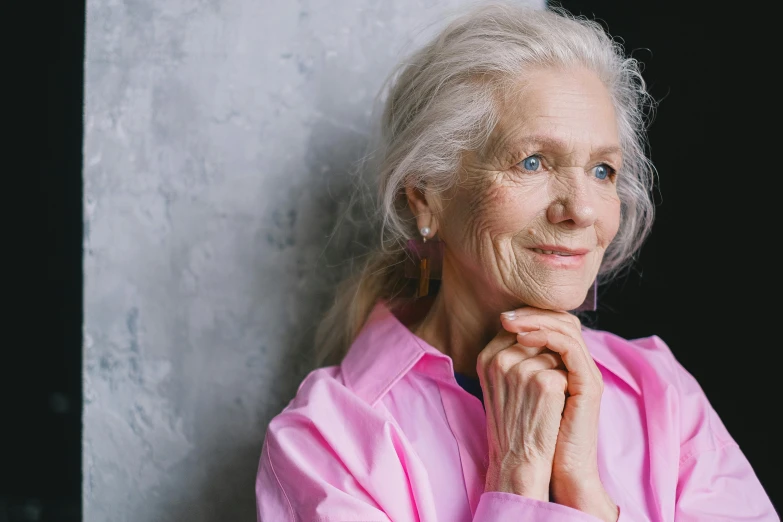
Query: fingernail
(509, 315)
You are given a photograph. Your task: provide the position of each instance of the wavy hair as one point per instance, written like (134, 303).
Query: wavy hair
(443, 100)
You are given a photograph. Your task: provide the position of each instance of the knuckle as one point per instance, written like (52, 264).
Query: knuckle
(573, 345)
(523, 371)
(594, 397)
(503, 360)
(554, 359)
(503, 336)
(597, 390)
(548, 382)
(483, 359)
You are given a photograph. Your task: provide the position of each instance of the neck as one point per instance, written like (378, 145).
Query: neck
(463, 319)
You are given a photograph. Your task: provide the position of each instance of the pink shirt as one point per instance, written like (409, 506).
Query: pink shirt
(389, 435)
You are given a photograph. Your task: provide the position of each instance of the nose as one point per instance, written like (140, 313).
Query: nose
(574, 201)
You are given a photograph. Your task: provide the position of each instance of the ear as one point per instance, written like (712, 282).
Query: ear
(423, 208)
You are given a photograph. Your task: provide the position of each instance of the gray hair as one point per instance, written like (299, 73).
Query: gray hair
(442, 101)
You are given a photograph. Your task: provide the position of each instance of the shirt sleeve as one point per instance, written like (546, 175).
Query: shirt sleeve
(298, 480)
(719, 484)
(496, 506)
(715, 481)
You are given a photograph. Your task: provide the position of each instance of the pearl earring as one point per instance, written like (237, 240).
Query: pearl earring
(424, 261)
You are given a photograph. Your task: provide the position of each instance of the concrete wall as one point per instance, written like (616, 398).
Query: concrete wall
(218, 134)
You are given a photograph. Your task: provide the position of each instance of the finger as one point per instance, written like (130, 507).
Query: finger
(552, 383)
(540, 321)
(536, 341)
(563, 378)
(514, 355)
(544, 388)
(532, 310)
(492, 373)
(501, 341)
(564, 381)
(546, 360)
(582, 377)
(528, 350)
(531, 319)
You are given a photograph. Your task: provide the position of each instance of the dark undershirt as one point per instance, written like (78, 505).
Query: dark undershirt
(471, 385)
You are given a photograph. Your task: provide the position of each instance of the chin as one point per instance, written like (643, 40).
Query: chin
(561, 302)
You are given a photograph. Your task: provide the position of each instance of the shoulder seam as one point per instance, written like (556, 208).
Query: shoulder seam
(692, 454)
(279, 484)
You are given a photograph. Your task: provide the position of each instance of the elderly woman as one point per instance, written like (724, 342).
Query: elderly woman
(512, 176)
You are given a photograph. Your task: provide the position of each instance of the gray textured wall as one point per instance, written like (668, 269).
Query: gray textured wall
(217, 137)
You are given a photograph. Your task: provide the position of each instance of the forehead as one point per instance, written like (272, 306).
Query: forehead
(562, 108)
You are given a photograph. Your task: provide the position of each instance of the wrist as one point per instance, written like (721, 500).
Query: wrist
(589, 497)
(527, 481)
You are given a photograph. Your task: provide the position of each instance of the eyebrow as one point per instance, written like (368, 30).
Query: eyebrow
(548, 142)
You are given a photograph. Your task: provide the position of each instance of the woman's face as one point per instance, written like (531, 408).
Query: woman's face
(535, 210)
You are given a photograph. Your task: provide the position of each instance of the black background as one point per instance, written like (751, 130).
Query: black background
(40, 359)
(690, 286)
(701, 282)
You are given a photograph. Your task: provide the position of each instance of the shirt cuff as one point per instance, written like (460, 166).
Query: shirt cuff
(496, 506)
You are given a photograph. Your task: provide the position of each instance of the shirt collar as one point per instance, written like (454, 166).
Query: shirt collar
(385, 350)
(615, 354)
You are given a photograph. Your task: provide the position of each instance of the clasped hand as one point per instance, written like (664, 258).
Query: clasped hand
(542, 395)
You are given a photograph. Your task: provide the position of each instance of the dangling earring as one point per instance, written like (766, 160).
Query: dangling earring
(425, 261)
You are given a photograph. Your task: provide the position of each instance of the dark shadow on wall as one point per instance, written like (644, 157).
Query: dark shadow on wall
(301, 226)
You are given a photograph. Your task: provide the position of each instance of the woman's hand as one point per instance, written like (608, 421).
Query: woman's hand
(575, 481)
(524, 394)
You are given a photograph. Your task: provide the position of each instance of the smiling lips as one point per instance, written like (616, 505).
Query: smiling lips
(552, 252)
(561, 256)
(559, 250)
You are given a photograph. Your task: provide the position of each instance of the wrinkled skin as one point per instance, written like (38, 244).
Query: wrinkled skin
(542, 389)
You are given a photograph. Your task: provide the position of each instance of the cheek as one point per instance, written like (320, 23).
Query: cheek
(481, 219)
(502, 210)
(472, 208)
(609, 221)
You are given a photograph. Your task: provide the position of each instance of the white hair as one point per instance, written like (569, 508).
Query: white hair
(443, 100)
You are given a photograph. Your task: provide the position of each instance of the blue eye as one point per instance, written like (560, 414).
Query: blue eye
(601, 171)
(531, 163)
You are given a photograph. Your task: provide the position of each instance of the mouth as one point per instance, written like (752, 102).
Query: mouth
(555, 252)
(559, 251)
(560, 257)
